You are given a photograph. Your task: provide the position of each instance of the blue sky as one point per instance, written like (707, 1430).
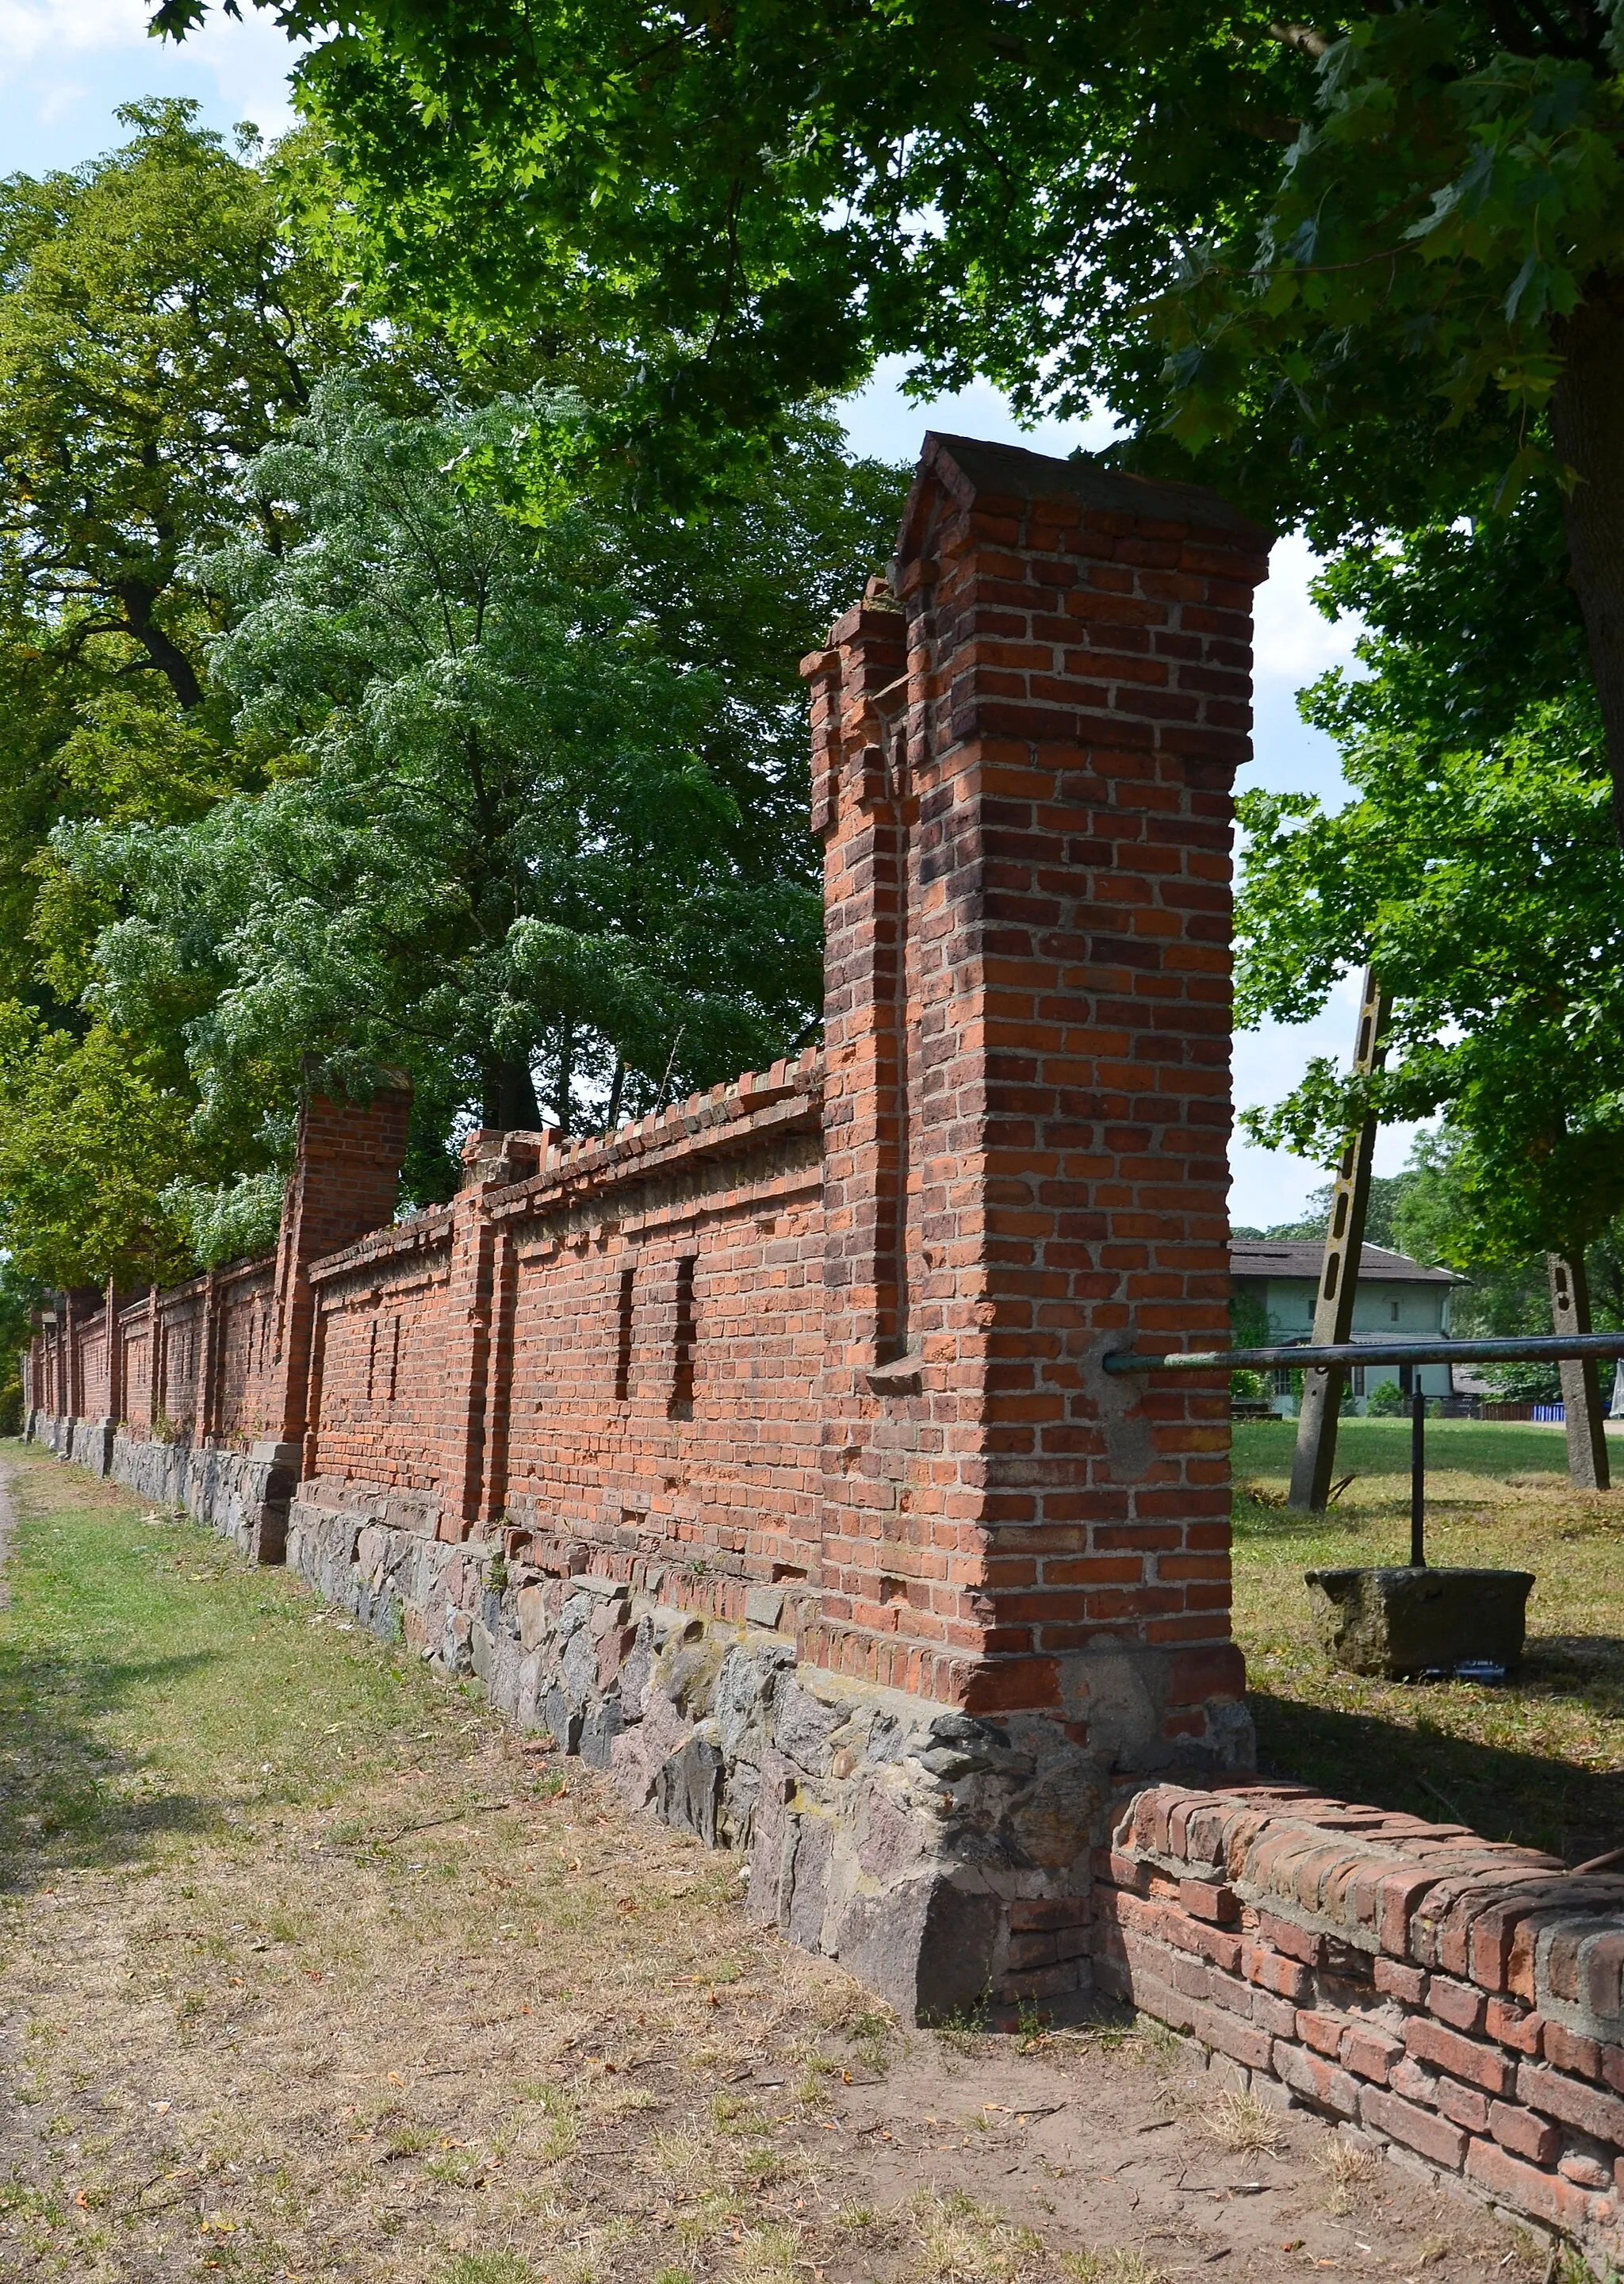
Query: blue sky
(65, 64)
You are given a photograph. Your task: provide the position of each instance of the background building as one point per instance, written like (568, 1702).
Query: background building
(1398, 1299)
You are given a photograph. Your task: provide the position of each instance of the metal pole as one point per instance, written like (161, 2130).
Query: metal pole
(1418, 1481)
(1543, 1346)
(1314, 1461)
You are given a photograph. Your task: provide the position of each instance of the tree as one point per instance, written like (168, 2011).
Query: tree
(1506, 1294)
(20, 1296)
(1477, 872)
(157, 323)
(1360, 266)
(526, 837)
(91, 1129)
(157, 326)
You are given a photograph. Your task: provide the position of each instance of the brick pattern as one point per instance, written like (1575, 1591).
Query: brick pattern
(1022, 759)
(1455, 1997)
(641, 1388)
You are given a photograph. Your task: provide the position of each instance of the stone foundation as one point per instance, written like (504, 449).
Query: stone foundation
(942, 1858)
(242, 1495)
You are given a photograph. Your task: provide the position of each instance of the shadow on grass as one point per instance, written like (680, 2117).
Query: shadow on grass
(62, 1803)
(1426, 1771)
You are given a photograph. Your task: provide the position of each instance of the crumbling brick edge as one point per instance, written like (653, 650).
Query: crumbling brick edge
(1451, 2001)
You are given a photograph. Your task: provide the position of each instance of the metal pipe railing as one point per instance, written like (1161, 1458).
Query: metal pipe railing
(1302, 1357)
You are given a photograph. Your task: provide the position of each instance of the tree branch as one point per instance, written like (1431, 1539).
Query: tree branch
(1303, 37)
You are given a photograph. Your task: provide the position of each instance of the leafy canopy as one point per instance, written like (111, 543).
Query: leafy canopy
(156, 325)
(1284, 234)
(160, 329)
(1477, 871)
(499, 852)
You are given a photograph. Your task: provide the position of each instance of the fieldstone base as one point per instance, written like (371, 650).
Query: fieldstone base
(242, 1495)
(943, 1858)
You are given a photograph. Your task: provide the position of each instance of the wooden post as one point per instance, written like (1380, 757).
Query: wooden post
(1582, 1393)
(1334, 1306)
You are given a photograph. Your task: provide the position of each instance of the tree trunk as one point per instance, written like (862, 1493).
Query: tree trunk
(507, 1095)
(1587, 422)
(171, 662)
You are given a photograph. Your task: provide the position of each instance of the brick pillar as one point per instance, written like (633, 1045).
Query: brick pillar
(97, 1451)
(1021, 771)
(70, 1358)
(115, 1358)
(208, 1376)
(345, 1177)
(478, 1312)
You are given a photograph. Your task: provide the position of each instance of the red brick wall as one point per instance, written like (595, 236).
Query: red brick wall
(384, 1358)
(895, 1269)
(596, 1433)
(243, 1332)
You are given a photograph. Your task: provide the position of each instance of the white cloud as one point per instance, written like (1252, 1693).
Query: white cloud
(250, 62)
(35, 28)
(1292, 641)
(65, 65)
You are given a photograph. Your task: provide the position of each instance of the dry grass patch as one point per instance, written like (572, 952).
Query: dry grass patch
(1118, 2264)
(963, 2242)
(1245, 2125)
(298, 1939)
(1349, 2170)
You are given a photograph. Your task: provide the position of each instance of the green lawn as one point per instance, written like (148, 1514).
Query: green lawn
(1540, 1759)
(152, 1683)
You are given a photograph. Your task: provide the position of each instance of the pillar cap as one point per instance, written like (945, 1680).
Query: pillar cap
(970, 470)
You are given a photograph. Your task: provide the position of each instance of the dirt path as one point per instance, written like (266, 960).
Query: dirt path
(452, 2016)
(7, 1523)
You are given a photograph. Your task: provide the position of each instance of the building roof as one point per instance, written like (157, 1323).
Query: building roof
(1284, 1257)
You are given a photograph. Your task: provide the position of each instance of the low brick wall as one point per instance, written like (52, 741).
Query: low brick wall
(1457, 2000)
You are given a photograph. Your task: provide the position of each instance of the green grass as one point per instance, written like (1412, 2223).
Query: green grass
(153, 1687)
(1381, 1447)
(1540, 1759)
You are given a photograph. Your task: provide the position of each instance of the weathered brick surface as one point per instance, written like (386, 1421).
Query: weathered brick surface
(1428, 2051)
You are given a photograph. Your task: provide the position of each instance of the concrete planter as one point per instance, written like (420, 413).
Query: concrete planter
(1403, 1622)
